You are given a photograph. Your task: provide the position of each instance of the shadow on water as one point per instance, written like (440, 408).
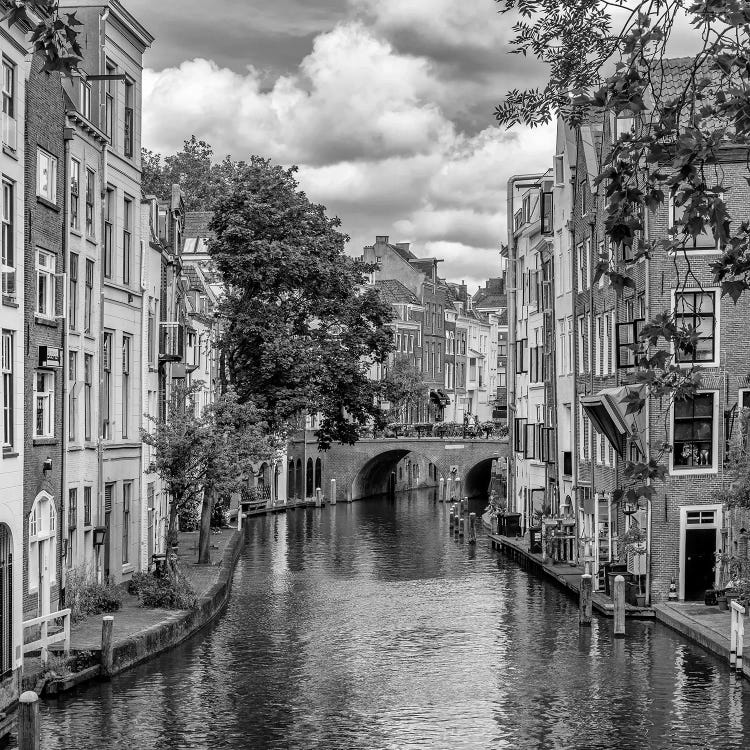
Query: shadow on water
(368, 625)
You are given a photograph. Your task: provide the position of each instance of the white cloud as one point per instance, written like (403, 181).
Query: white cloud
(367, 126)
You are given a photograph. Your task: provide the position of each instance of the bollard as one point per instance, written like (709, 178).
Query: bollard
(108, 624)
(441, 490)
(28, 721)
(585, 600)
(618, 596)
(461, 526)
(456, 524)
(472, 528)
(318, 497)
(333, 492)
(450, 519)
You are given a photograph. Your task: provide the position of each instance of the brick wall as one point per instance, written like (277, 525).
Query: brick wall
(45, 121)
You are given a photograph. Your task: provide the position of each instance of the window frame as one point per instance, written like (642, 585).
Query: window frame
(47, 274)
(715, 315)
(46, 400)
(7, 361)
(692, 470)
(50, 194)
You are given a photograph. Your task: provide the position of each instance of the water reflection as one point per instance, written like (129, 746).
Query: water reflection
(369, 626)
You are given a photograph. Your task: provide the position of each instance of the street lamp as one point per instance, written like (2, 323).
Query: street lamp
(100, 532)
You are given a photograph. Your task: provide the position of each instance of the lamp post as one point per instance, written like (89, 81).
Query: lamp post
(100, 533)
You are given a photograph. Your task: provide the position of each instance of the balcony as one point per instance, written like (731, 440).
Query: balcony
(171, 342)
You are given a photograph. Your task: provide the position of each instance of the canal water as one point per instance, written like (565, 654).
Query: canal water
(368, 627)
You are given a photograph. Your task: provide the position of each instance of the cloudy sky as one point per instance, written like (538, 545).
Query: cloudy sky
(385, 105)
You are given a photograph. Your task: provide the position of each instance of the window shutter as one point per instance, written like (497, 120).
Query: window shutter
(108, 498)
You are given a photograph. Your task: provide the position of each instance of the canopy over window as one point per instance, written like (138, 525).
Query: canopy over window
(607, 410)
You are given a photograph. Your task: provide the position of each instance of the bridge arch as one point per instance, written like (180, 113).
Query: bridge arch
(373, 476)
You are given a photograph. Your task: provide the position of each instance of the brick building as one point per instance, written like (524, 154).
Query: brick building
(44, 316)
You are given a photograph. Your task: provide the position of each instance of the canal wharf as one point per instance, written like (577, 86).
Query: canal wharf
(563, 574)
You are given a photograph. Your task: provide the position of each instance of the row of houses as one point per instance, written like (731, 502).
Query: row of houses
(457, 341)
(101, 313)
(573, 361)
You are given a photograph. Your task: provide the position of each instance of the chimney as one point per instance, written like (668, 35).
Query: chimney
(402, 245)
(381, 239)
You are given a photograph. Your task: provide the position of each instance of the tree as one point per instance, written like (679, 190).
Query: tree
(56, 37)
(201, 180)
(198, 455)
(610, 58)
(234, 440)
(300, 327)
(404, 386)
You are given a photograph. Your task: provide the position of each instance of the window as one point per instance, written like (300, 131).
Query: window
(107, 385)
(88, 296)
(547, 212)
(598, 346)
(501, 379)
(75, 185)
(693, 433)
(6, 241)
(72, 508)
(704, 241)
(88, 374)
(109, 103)
(581, 345)
(559, 169)
(521, 349)
(125, 384)
(72, 395)
(9, 105)
(87, 506)
(529, 444)
(128, 133)
(536, 364)
(695, 311)
(46, 176)
(45, 284)
(127, 217)
(90, 192)
(84, 92)
(8, 386)
(127, 488)
(73, 291)
(519, 434)
(628, 347)
(44, 404)
(151, 327)
(581, 267)
(109, 218)
(570, 344)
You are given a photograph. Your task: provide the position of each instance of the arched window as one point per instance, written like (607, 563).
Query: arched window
(6, 599)
(290, 479)
(42, 541)
(300, 489)
(318, 473)
(309, 479)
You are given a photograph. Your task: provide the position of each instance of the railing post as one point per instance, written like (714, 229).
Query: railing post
(737, 638)
(108, 624)
(28, 721)
(732, 637)
(44, 633)
(66, 630)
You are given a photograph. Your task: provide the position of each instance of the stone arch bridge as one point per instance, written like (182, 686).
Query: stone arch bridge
(364, 469)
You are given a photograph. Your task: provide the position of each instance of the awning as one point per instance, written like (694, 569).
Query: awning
(440, 397)
(607, 411)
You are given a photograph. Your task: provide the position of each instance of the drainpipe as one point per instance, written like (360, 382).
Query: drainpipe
(511, 295)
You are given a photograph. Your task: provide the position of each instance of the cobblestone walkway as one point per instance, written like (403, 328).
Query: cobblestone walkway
(132, 618)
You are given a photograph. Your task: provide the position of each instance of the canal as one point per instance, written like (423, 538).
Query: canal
(367, 626)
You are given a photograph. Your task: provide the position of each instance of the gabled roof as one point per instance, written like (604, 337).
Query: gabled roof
(394, 292)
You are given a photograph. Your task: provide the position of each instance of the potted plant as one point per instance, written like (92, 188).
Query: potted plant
(633, 541)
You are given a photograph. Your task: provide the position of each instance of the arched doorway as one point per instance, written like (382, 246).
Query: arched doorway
(42, 550)
(318, 473)
(6, 599)
(300, 484)
(290, 479)
(309, 479)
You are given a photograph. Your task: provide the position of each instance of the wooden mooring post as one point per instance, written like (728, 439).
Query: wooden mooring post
(108, 624)
(28, 721)
(441, 490)
(618, 597)
(333, 492)
(318, 497)
(472, 528)
(736, 638)
(585, 600)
